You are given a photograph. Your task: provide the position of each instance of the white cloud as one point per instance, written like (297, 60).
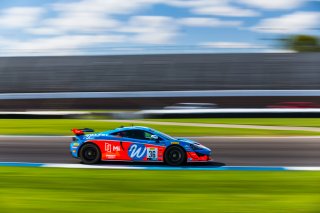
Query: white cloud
(232, 45)
(225, 10)
(20, 17)
(81, 22)
(87, 16)
(273, 4)
(44, 30)
(69, 26)
(298, 22)
(151, 29)
(59, 45)
(194, 3)
(214, 8)
(104, 6)
(207, 22)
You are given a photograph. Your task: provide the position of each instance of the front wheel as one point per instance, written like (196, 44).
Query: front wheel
(90, 154)
(175, 156)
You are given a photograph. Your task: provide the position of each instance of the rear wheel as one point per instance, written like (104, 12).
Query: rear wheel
(90, 154)
(175, 156)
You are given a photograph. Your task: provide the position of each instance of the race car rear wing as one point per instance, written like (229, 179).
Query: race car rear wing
(81, 131)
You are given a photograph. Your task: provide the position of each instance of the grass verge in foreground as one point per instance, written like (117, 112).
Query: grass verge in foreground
(63, 127)
(69, 190)
(302, 122)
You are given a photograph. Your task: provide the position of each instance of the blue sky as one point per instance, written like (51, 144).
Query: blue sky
(85, 27)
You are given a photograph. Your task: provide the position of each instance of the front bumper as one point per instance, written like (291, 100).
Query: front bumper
(74, 147)
(198, 157)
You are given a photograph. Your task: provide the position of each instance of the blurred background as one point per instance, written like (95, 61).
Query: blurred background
(240, 76)
(224, 53)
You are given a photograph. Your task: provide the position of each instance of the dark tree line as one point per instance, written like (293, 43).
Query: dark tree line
(302, 43)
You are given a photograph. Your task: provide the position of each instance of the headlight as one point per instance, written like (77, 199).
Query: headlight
(75, 145)
(195, 146)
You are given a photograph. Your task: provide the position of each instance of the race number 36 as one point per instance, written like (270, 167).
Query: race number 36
(152, 153)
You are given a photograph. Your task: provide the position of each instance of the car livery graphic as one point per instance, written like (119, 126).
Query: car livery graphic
(136, 143)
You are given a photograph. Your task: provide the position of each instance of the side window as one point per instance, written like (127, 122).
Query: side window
(135, 134)
(147, 135)
(120, 134)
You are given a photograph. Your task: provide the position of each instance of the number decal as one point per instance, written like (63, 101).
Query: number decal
(152, 153)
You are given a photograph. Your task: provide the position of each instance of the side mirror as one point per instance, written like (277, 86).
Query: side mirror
(154, 137)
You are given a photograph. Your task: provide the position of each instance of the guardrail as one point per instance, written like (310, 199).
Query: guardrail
(223, 113)
(163, 113)
(162, 94)
(44, 114)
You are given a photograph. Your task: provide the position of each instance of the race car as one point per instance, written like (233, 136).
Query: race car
(135, 143)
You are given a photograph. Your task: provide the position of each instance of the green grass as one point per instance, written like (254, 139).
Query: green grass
(304, 122)
(49, 190)
(63, 127)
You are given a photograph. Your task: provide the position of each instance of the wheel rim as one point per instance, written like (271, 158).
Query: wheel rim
(90, 154)
(175, 155)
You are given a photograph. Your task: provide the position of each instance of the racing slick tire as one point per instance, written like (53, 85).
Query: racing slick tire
(90, 154)
(175, 156)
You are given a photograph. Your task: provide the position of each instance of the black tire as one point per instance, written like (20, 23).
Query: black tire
(175, 156)
(90, 154)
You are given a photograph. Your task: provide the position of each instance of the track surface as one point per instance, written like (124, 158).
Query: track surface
(226, 151)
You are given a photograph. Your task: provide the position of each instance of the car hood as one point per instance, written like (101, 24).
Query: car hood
(187, 140)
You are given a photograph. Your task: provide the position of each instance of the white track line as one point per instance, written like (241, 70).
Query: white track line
(165, 168)
(83, 166)
(204, 137)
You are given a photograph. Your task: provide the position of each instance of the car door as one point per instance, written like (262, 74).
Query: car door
(140, 146)
(123, 140)
(154, 147)
(137, 145)
(132, 143)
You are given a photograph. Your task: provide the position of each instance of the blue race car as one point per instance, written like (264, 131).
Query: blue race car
(136, 143)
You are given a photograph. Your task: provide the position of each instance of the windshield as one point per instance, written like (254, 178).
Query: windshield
(163, 135)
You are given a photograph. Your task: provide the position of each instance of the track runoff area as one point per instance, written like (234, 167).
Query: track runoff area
(229, 154)
(167, 168)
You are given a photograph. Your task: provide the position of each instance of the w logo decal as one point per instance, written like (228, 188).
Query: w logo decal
(137, 151)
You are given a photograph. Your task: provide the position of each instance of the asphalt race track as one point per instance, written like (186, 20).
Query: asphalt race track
(299, 151)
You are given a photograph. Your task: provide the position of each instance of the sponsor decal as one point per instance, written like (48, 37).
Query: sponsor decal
(111, 156)
(92, 136)
(175, 143)
(108, 147)
(137, 151)
(116, 148)
(75, 144)
(152, 153)
(187, 148)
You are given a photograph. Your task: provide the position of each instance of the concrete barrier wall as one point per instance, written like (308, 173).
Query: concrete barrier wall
(160, 72)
